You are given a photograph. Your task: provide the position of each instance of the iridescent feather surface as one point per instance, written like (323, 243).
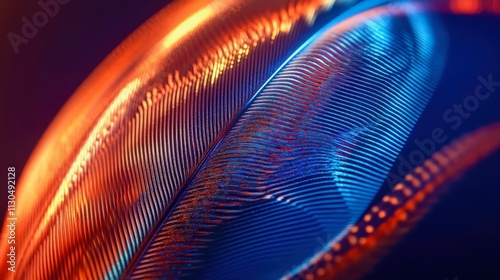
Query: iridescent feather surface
(222, 139)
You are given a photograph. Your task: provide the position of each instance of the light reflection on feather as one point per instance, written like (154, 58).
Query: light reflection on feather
(282, 117)
(345, 98)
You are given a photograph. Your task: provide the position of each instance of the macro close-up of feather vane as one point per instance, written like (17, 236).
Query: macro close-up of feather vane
(224, 139)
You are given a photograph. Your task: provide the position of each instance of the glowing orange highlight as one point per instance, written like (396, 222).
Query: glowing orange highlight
(465, 6)
(114, 98)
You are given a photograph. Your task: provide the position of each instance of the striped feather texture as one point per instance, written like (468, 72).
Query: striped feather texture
(226, 139)
(306, 156)
(386, 222)
(123, 147)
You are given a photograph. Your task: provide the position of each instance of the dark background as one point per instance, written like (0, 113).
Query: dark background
(457, 240)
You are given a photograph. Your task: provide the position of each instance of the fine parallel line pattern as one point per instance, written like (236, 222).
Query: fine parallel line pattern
(307, 156)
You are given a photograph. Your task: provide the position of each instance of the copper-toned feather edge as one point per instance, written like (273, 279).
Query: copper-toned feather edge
(385, 223)
(74, 231)
(180, 54)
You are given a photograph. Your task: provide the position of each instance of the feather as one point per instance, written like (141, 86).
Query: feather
(227, 137)
(306, 156)
(386, 222)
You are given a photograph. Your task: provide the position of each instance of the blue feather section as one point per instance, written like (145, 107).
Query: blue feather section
(306, 157)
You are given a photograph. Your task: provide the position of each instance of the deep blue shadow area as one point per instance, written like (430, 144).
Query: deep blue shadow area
(458, 239)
